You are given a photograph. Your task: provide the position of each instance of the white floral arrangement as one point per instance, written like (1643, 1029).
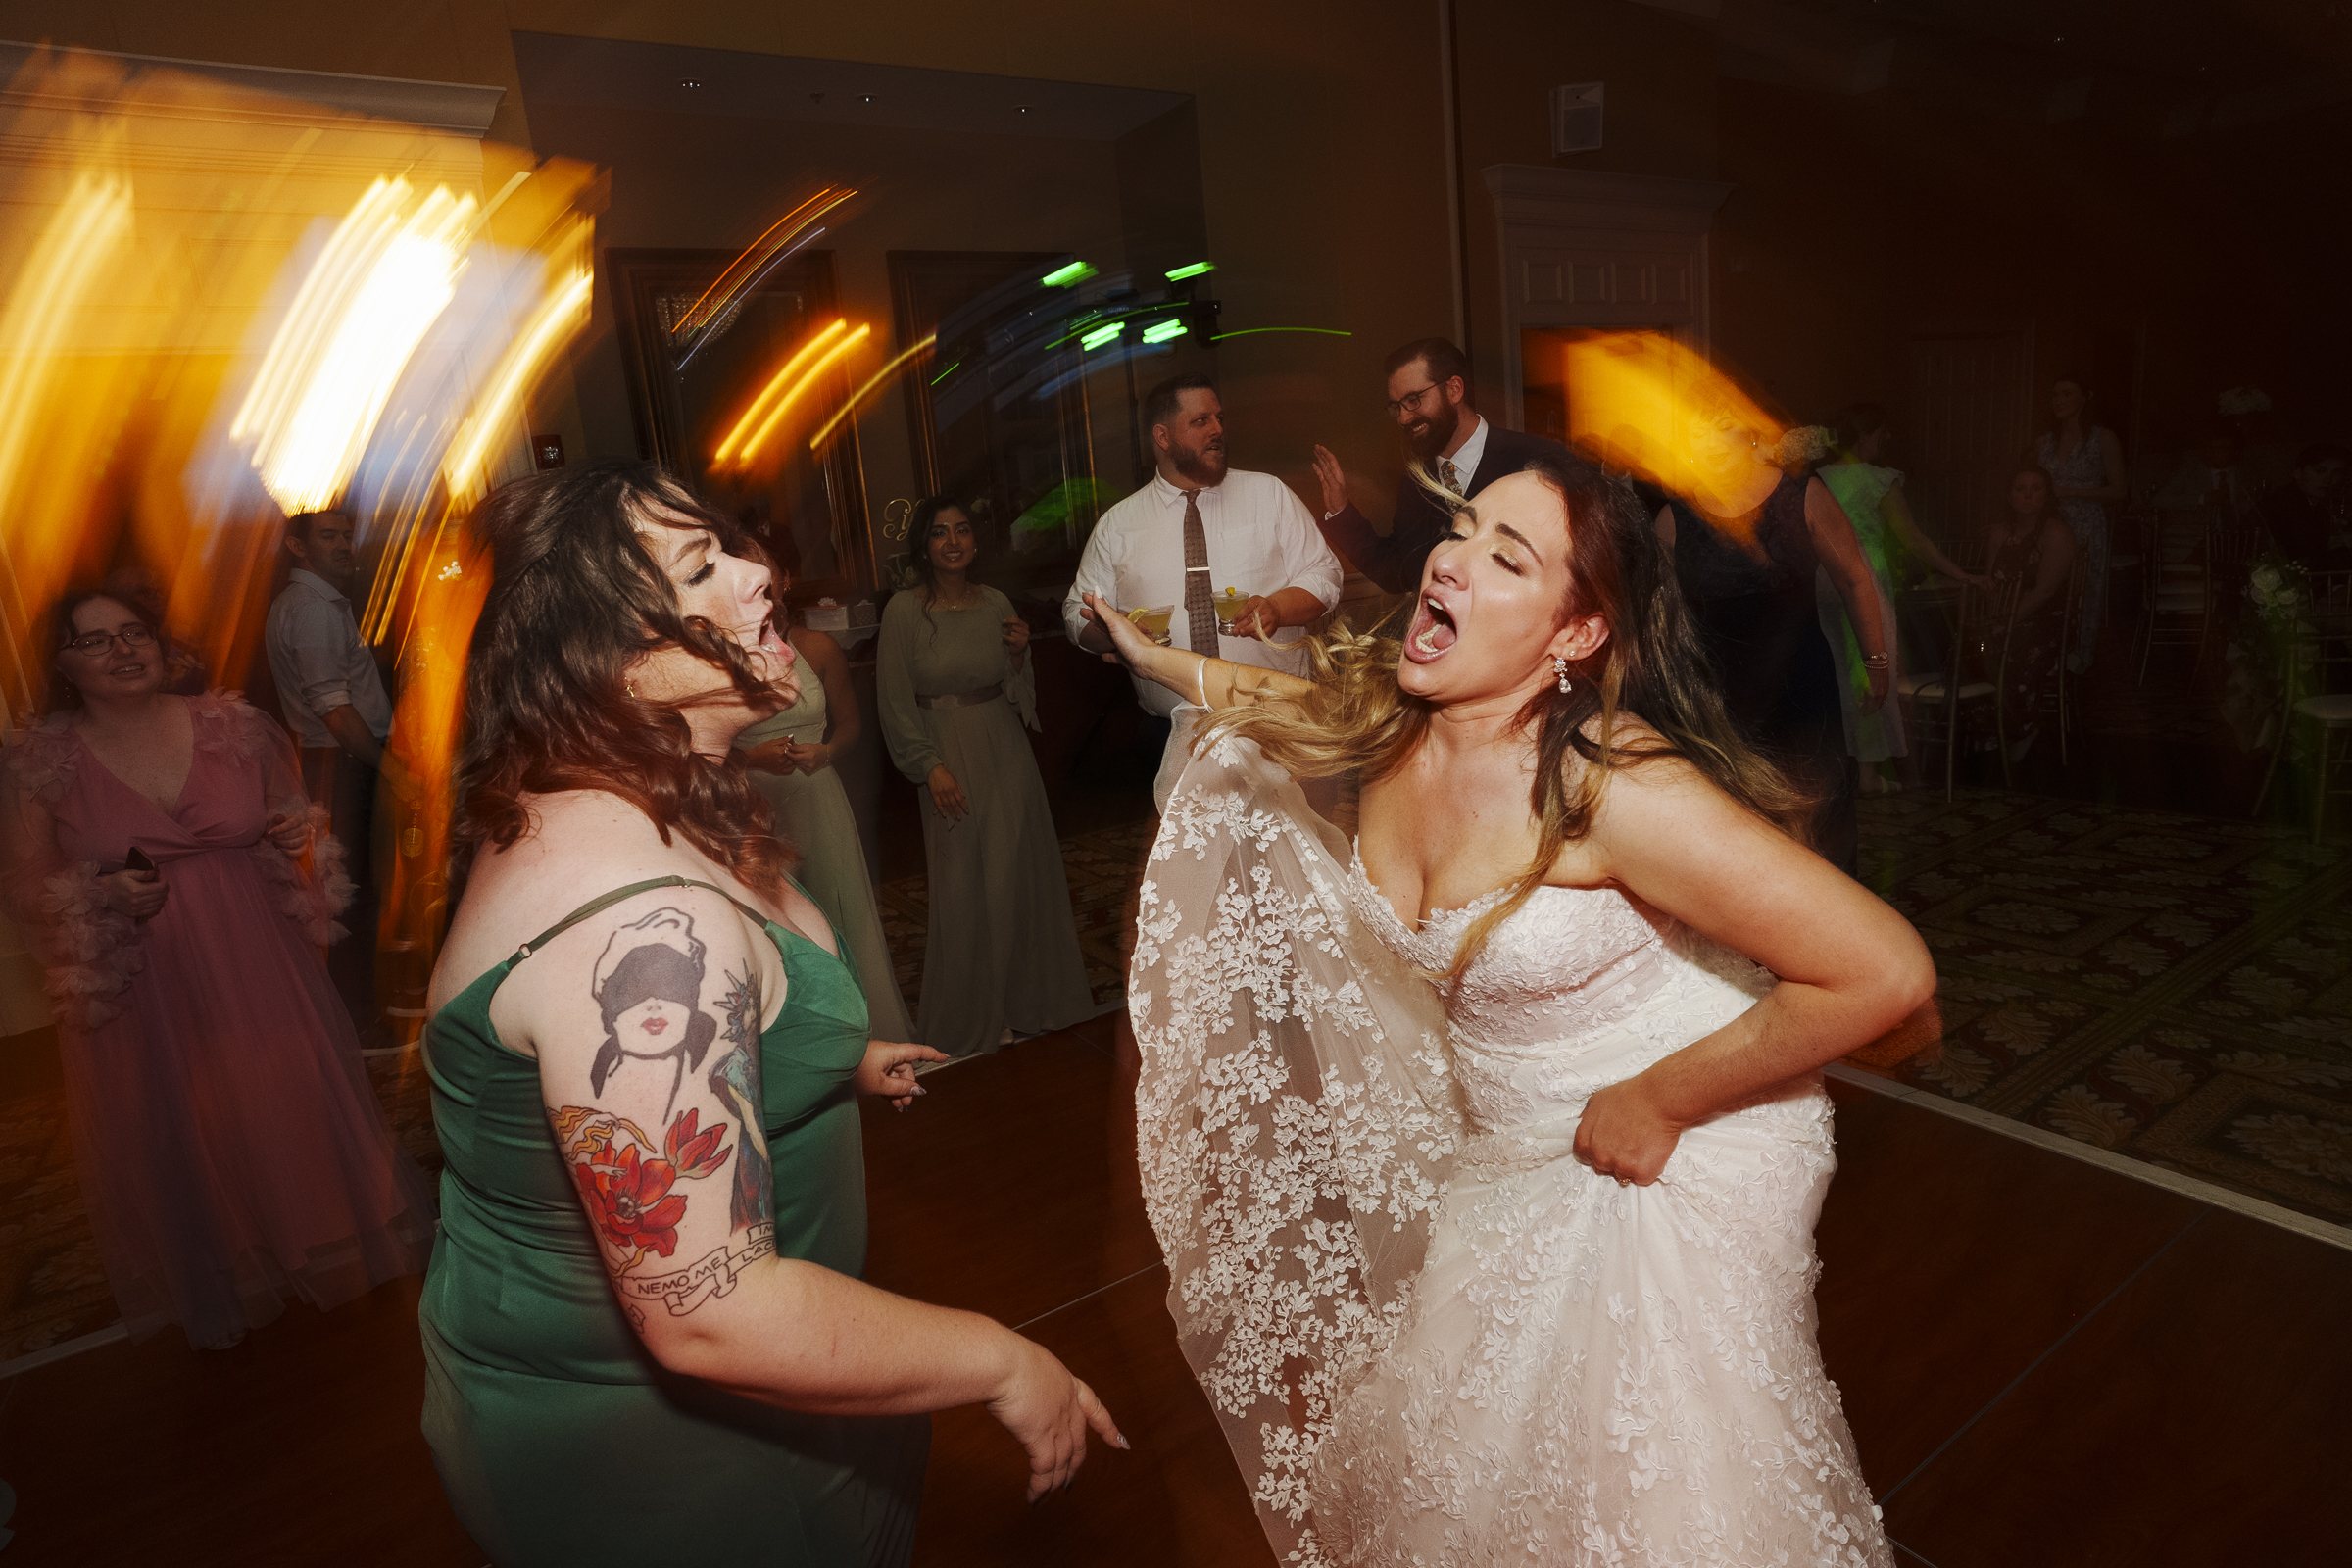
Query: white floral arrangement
(2245, 400)
(2278, 589)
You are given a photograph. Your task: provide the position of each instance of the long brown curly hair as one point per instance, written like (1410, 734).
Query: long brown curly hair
(575, 600)
(1650, 672)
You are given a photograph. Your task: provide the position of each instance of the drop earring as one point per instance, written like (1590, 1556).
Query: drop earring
(1559, 667)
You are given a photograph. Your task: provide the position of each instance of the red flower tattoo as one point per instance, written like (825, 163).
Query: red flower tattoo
(631, 1202)
(624, 1186)
(695, 1155)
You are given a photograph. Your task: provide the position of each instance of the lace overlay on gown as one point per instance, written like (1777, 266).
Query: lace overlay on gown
(1434, 1336)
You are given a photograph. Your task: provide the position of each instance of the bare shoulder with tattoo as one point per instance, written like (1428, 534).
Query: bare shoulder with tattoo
(647, 1028)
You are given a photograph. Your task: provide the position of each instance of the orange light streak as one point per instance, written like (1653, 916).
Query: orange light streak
(897, 362)
(1661, 410)
(720, 293)
(562, 316)
(388, 272)
(808, 378)
(36, 329)
(775, 386)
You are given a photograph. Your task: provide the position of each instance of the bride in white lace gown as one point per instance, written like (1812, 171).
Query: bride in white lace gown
(1514, 1266)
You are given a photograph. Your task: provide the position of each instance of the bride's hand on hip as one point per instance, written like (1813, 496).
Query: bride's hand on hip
(1625, 1135)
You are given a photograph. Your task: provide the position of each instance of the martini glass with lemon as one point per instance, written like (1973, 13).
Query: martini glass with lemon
(1153, 622)
(1229, 609)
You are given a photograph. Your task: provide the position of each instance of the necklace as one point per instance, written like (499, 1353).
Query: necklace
(971, 597)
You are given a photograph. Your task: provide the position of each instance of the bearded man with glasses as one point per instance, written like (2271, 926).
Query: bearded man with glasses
(1430, 399)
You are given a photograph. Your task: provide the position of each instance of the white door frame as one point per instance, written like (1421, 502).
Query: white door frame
(1582, 248)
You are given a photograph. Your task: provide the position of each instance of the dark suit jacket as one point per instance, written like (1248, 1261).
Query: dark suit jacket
(1393, 560)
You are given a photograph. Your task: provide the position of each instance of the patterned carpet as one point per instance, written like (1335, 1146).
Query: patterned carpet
(2177, 989)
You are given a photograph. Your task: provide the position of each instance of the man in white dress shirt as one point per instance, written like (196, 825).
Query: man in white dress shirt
(1198, 528)
(335, 701)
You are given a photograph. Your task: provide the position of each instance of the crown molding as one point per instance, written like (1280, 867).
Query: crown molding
(463, 108)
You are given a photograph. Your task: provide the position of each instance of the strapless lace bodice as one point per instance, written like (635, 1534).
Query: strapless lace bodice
(1579, 987)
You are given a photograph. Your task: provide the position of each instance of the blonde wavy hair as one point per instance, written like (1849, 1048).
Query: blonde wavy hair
(1647, 693)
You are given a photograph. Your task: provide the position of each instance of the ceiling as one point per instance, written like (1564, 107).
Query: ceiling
(604, 73)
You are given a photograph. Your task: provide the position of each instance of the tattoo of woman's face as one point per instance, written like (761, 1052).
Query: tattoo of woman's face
(647, 984)
(636, 1189)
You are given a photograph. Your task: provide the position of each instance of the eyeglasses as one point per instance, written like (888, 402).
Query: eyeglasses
(94, 643)
(1411, 400)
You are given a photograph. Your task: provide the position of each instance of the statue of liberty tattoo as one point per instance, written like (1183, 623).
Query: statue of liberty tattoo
(753, 1202)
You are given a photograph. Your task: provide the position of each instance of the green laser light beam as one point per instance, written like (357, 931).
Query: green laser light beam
(1194, 271)
(1062, 277)
(1327, 331)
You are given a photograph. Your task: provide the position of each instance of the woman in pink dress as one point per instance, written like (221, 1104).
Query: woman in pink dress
(161, 854)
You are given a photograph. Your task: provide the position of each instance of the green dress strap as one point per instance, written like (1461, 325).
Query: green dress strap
(599, 904)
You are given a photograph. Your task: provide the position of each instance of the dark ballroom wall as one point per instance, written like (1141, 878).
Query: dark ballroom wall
(2165, 270)
(1864, 204)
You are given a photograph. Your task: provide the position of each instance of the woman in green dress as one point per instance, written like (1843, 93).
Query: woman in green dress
(955, 684)
(645, 1336)
(1872, 498)
(791, 758)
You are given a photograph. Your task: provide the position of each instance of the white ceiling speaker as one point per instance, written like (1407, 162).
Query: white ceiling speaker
(1576, 118)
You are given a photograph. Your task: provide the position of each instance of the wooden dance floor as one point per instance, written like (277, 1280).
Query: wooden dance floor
(2046, 1362)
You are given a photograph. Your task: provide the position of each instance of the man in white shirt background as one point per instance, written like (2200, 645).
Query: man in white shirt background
(1197, 529)
(335, 701)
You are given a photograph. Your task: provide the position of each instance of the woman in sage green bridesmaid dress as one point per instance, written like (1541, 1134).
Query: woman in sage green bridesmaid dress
(791, 756)
(956, 685)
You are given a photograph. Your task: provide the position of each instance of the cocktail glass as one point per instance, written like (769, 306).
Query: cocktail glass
(1229, 608)
(1153, 622)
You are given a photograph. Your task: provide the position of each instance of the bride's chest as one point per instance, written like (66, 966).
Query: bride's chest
(1431, 845)
(1565, 954)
